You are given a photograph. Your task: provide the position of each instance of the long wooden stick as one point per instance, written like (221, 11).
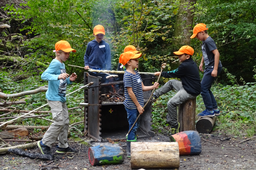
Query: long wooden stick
(11, 121)
(163, 66)
(108, 71)
(6, 96)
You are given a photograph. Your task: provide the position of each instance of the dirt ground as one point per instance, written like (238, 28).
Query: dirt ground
(218, 153)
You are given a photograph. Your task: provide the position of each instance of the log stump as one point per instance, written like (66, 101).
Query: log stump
(155, 155)
(205, 124)
(105, 154)
(186, 114)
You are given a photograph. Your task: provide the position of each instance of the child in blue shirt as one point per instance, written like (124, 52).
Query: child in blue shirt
(58, 80)
(133, 91)
(98, 54)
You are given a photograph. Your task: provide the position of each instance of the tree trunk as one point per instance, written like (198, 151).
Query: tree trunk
(184, 23)
(155, 155)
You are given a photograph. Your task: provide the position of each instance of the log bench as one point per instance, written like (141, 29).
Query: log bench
(186, 115)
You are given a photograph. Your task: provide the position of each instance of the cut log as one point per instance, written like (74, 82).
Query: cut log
(155, 155)
(205, 124)
(186, 114)
(25, 146)
(105, 154)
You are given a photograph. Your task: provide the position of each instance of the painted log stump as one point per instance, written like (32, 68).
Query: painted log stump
(155, 155)
(205, 124)
(102, 154)
(189, 142)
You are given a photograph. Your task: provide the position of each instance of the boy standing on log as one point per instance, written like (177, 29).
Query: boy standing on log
(213, 67)
(133, 91)
(188, 88)
(58, 80)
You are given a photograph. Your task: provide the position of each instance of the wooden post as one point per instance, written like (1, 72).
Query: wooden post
(205, 124)
(186, 114)
(151, 155)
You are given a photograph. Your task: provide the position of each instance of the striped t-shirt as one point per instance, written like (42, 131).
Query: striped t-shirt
(134, 81)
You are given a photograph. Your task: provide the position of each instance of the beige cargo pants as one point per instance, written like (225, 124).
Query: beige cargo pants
(59, 128)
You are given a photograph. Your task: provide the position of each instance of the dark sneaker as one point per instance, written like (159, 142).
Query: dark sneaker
(175, 129)
(206, 113)
(65, 150)
(216, 112)
(43, 148)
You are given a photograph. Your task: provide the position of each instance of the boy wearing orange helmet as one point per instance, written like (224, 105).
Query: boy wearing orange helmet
(213, 67)
(98, 54)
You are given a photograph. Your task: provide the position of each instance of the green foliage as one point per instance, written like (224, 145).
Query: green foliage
(53, 21)
(147, 26)
(232, 25)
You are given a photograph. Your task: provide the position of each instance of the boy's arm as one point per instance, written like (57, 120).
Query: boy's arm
(201, 65)
(146, 88)
(216, 63)
(134, 99)
(179, 72)
(108, 58)
(86, 56)
(50, 73)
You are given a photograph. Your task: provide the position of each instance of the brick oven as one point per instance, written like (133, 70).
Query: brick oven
(105, 115)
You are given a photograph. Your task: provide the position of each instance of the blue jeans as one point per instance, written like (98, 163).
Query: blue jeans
(131, 117)
(206, 84)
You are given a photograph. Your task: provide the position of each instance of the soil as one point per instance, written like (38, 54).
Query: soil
(218, 153)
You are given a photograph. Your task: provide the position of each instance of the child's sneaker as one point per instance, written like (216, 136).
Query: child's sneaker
(207, 113)
(65, 150)
(45, 150)
(175, 129)
(216, 112)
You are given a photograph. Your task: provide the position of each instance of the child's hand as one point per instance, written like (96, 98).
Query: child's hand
(201, 67)
(73, 77)
(156, 85)
(63, 76)
(140, 109)
(86, 67)
(214, 73)
(157, 73)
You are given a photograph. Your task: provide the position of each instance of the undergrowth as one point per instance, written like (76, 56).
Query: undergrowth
(236, 102)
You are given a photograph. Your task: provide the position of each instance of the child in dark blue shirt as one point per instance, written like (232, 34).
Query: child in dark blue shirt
(98, 54)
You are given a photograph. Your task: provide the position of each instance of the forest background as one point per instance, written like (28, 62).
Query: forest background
(156, 28)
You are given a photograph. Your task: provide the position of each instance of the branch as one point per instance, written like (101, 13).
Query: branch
(11, 103)
(40, 89)
(84, 21)
(25, 146)
(24, 117)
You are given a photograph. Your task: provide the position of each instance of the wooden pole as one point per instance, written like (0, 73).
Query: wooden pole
(108, 71)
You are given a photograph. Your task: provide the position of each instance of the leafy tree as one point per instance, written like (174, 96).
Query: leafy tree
(232, 24)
